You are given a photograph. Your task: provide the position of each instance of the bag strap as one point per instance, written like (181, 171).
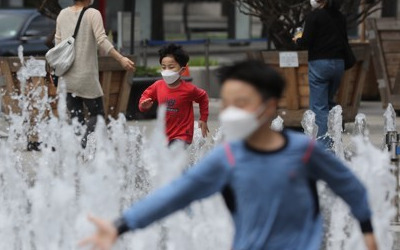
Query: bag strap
(307, 154)
(78, 24)
(229, 154)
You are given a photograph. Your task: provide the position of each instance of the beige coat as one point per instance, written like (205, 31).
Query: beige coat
(83, 77)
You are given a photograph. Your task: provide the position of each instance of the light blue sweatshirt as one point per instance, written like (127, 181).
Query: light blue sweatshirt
(272, 195)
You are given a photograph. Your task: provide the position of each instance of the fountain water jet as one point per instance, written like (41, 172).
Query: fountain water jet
(277, 124)
(46, 195)
(309, 125)
(360, 125)
(335, 123)
(372, 167)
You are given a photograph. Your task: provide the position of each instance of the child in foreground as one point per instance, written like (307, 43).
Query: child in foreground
(268, 178)
(178, 95)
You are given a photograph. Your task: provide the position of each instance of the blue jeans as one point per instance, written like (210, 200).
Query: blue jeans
(324, 78)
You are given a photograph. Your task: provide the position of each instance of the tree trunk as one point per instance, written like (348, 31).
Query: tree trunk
(157, 20)
(389, 8)
(281, 37)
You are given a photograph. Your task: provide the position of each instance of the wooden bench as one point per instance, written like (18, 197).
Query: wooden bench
(295, 100)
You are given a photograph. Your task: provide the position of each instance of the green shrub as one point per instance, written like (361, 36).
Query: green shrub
(201, 61)
(142, 71)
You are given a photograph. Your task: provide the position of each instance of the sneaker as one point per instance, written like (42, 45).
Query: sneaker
(33, 146)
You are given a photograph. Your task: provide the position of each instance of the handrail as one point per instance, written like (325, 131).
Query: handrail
(202, 41)
(206, 42)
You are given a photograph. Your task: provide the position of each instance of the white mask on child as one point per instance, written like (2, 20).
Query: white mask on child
(238, 124)
(170, 76)
(314, 4)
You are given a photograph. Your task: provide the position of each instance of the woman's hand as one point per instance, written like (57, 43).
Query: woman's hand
(127, 64)
(105, 236)
(147, 104)
(204, 128)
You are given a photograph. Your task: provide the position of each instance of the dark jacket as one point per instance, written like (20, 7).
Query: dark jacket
(324, 34)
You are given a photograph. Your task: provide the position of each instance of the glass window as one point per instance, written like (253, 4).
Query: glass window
(40, 26)
(10, 24)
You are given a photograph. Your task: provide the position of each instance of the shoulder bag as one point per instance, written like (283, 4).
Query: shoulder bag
(62, 56)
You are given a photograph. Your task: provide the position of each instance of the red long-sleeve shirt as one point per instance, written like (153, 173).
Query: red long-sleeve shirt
(179, 102)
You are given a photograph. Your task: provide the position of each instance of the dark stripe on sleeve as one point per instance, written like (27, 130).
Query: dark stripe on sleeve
(229, 198)
(313, 186)
(121, 226)
(366, 226)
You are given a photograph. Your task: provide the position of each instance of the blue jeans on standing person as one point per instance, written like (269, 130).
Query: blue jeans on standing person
(324, 78)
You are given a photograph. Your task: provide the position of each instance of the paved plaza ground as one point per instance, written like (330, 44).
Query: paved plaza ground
(373, 111)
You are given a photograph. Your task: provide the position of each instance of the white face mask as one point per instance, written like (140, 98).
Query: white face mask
(170, 76)
(91, 2)
(238, 124)
(314, 4)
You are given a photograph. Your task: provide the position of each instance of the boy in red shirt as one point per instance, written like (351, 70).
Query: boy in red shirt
(178, 95)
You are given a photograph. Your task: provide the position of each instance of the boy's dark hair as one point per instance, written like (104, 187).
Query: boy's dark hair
(176, 51)
(256, 73)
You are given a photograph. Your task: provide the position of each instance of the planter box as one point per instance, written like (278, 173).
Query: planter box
(139, 85)
(114, 80)
(295, 100)
(371, 90)
(385, 46)
(116, 84)
(11, 87)
(199, 75)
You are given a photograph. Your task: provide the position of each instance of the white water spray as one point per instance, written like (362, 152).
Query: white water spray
(335, 121)
(277, 124)
(390, 119)
(309, 125)
(47, 195)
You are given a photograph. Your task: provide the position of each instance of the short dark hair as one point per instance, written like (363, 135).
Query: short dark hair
(256, 73)
(176, 51)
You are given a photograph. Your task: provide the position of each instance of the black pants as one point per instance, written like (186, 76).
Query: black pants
(94, 106)
(185, 144)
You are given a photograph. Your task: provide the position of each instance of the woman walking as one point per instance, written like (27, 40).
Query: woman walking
(82, 79)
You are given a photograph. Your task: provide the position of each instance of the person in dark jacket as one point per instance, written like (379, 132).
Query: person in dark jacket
(325, 37)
